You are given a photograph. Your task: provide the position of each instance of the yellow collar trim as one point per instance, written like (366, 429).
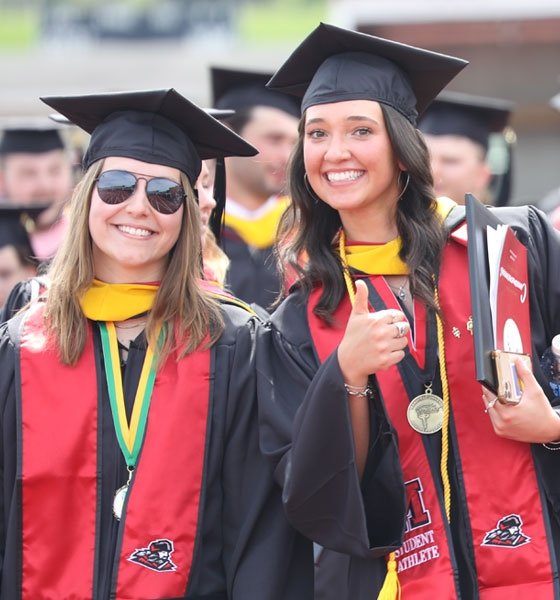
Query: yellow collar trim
(383, 259)
(378, 259)
(260, 232)
(117, 301)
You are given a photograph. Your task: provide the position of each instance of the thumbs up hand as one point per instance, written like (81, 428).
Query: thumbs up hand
(372, 341)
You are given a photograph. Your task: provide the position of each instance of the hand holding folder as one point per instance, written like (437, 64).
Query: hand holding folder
(500, 301)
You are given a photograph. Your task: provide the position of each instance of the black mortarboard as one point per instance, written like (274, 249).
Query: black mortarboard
(244, 89)
(334, 64)
(14, 221)
(155, 126)
(29, 136)
(465, 115)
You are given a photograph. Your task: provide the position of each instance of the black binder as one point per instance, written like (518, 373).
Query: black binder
(478, 217)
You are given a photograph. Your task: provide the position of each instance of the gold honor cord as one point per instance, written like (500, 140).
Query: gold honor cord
(446, 402)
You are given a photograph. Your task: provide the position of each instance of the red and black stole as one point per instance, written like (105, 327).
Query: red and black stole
(501, 504)
(60, 475)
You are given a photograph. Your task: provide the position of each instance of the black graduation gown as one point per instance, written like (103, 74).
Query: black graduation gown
(22, 293)
(306, 432)
(252, 274)
(244, 548)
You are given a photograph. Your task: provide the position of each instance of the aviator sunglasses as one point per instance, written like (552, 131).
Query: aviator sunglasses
(164, 195)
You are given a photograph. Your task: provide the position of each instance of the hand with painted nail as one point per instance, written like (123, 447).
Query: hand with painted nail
(533, 420)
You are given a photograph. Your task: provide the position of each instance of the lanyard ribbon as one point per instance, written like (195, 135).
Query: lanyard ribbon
(129, 436)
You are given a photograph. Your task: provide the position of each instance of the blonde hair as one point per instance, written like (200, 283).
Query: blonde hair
(215, 259)
(189, 313)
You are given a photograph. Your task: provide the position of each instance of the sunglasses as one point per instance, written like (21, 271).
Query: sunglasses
(164, 195)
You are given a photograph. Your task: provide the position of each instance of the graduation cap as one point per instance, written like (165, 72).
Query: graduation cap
(333, 64)
(465, 115)
(29, 136)
(154, 126)
(15, 223)
(239, 90)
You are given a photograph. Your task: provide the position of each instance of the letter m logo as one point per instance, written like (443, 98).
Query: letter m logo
(417, 515)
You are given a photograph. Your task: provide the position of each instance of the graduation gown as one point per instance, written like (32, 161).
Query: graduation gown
(252, 274)
(242, 546)
(306, 432)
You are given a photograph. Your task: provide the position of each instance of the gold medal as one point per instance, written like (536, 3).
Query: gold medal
(118, 501)
(425, 412)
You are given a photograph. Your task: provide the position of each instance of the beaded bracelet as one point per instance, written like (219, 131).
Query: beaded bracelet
(548, 444)
(556, 445)
(355, 390)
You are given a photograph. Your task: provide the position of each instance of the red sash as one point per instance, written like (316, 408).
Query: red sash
(58, 442)
(502, 495)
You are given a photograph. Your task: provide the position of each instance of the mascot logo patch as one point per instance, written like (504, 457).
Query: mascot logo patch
(507, 533)
(157, 556)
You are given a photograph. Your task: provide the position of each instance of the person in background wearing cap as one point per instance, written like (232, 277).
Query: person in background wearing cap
(457, 129)
(16, 255)
(127, 392)
(215, 260)
(369, 406)
(255, 186)
(35, 169)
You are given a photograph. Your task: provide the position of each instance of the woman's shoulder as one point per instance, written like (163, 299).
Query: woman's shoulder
(290, 318)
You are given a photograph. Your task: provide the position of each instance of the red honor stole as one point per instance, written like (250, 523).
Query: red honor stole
(58, 442)
(503, 499)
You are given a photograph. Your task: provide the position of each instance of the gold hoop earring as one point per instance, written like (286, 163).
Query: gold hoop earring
(405, 185)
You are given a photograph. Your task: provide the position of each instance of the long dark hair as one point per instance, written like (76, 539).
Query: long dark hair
(309, 228)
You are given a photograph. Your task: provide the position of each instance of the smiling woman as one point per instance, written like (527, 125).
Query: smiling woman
(366, 372)
(130, 456)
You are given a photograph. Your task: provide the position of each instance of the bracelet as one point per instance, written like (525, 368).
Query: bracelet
(355, 390)
(547, 446)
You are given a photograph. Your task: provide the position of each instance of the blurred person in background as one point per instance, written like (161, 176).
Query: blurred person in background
(551, 202)
(457, 129)
(215, 260)
(255, 186)
(16, 255)
(35, 168)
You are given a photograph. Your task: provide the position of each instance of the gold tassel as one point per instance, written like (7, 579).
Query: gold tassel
(391, 589)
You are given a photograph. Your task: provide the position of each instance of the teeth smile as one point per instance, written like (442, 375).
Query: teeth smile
(134, 230)
(344, 175)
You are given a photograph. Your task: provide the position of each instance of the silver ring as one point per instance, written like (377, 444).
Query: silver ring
(401, 328)
(490, 404)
